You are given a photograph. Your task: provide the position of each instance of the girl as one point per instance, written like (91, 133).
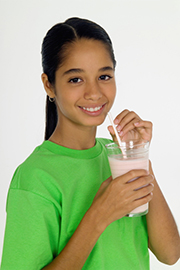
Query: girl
(64, 211)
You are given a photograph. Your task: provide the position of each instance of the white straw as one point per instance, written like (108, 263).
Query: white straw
(117, 135)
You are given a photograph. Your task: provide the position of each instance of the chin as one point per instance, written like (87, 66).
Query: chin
(97, 122)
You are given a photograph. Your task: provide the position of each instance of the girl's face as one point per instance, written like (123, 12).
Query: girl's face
(85, 85)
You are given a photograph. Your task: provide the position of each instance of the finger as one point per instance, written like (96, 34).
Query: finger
(111, 130)
(129, 117)
(145, 124)
(129, 126)
(143, 192)
(120, 116)
(143, 200)
(142, 182)
(112, 133)
(105, 183)
(145, 129)
(103, 186)
(131, 175)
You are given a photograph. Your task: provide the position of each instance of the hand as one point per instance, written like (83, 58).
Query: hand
(116, 198)
(131, 126)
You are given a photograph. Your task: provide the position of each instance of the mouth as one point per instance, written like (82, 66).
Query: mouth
(94, 110)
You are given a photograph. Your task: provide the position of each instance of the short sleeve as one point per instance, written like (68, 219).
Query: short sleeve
(32, 231)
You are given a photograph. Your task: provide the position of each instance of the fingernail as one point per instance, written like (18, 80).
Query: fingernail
(136, 124)
(152, 184)
(121, 133)
(152, 176)
(116, 121)
(118, 128)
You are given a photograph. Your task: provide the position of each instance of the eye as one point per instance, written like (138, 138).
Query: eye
(105, 77)
(75, 80)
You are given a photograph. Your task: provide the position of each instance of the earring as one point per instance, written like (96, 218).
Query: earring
(51, 99)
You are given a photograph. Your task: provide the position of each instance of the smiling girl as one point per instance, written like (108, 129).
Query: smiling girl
(64, 211)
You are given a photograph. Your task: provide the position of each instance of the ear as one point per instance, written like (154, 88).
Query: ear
(47, 86)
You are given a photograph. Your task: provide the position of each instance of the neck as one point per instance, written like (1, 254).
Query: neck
(74, 137)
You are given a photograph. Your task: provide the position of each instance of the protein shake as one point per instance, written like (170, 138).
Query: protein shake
(135, 156)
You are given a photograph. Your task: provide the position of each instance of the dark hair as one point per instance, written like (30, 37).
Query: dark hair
(53, 54)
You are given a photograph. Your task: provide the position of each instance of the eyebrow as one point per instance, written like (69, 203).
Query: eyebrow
(79, 70)
(106, 68)
(73, 70)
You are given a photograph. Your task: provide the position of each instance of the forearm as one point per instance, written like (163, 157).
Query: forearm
(77, 250)
(164, 239)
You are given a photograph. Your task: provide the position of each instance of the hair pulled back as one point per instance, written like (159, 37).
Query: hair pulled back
(53, 51)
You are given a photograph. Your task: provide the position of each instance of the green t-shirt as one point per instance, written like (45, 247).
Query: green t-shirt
(48, 196)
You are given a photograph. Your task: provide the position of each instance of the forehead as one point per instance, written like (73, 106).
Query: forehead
(85, 51)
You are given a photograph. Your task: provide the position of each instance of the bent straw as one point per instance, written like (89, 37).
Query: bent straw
(117, 135)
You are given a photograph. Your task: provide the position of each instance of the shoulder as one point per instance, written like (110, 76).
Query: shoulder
(34, 174)
(33, 161)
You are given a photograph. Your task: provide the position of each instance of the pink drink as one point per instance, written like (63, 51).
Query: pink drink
(122, 166)
(136, 156)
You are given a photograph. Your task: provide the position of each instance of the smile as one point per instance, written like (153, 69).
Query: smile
(92, 109)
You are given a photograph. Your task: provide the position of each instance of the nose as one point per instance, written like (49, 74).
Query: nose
(92, 91)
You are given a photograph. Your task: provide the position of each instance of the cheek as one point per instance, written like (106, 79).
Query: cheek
(112, 92)
(66, 101)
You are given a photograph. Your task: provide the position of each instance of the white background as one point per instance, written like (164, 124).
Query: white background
(146, 38)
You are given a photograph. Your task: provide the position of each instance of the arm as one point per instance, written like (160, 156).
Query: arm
(164, 239)
(27, 245)
(77, 250)
(30, 216)
(113, 200)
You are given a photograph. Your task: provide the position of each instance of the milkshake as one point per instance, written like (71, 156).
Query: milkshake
(135, 156)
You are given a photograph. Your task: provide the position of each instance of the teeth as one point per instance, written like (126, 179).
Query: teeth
(92, 109)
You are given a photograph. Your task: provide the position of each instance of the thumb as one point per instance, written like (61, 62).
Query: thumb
(103, 187)
(111, 131)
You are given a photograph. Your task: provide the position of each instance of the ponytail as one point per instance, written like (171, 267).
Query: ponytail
(51, 118)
